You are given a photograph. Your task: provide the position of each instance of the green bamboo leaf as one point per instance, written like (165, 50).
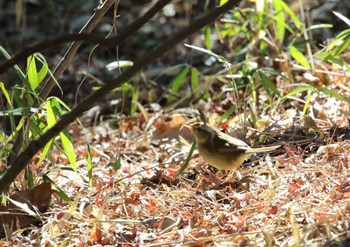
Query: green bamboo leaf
(51, 120)
(344, 45)
(19, 72)
(2, 139)
(54, 110)
(342, 17)
(116, 165)
(318, 26)
(60, 102)
(207, 37)
(68, 148)
(187, 161)
(221, 59)
(179, 80)
(297, 91)
(229, 112)
(291, 13)
(333, 94)
(119, 64)
(344, 34)
(280, 20)
(269, 87)
(45, 151)
(6, 94)
(44, 68)
(89, 166)
(50, 115)
(222, 2)
(32, 73)
(299, 57)
(194, 78)
(135, 98)
(307, 102)
(59, 191)
(339, 40)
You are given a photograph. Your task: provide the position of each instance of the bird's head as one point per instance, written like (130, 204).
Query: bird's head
(202, 132)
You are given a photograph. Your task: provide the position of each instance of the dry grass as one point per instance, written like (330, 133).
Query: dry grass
(288, 199)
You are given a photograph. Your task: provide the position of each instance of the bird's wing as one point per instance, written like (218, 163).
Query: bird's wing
(233, 142)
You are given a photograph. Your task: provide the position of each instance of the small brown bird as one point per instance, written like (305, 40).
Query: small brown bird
(221, 150)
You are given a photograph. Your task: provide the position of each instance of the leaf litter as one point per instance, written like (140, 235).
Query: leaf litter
(299, 194)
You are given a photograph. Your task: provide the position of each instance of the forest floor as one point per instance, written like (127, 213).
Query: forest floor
(133, 193)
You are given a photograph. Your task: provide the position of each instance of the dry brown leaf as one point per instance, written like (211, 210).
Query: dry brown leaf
(30, 200)
(96, 233)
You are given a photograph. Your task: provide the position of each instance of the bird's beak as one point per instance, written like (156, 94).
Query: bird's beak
(187, 125)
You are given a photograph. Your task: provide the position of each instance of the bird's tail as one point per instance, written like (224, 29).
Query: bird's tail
(262, 149)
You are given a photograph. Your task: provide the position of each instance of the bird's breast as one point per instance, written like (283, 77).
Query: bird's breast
(223, 161)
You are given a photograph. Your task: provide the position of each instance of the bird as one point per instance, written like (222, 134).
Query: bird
(221, 150)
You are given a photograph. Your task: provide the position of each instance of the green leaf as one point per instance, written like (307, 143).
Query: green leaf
(307, 103)
(207, 37)
(135, 98)
(187, 161)
(89, 166)
(68, 148)
(54, 110)
(326, 91)
(2, 139)
(333, 94)
(179, 80)
(344, 34)
(269, 87)
(45, 151)
(344, 45)
(6, 94)
(19, 72)
(125, 87)
(119, 64)
(29, 177)
(116, 165)
(339, 40)
(44, 68)
(229, 112)
(318, 26)
(222, 2)
(59, 192)
(297, 90)
(299, 57)
(32, 73)
(291, 13)
(59, 101)
(50, 115)
(194, 78)
(221, 59)
(280, 20)
(343, 18)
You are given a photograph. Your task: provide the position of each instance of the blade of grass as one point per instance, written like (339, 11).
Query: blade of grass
(189, 156)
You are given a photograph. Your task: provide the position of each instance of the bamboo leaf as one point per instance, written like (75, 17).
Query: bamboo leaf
(269, 87)
(299, 57)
